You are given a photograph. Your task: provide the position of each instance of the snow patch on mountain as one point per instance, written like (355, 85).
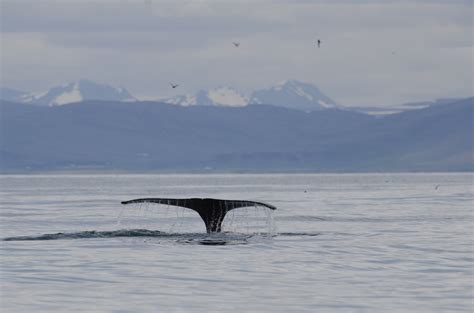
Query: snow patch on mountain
(221, 96)
(69, 96)
(302, 93)
(294, 94)
(325, 104)
(227, 96)
(291, 93)
(185, 100)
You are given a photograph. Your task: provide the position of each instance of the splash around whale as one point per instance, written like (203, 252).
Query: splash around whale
(212, 211)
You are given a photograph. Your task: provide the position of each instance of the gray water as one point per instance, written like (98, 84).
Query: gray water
(336, 243)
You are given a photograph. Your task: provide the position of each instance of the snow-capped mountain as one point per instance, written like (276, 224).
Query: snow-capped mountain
(294, 94)
(78, 91)
(221, 96)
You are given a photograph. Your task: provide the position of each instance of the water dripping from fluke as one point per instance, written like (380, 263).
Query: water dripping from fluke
(212, 211)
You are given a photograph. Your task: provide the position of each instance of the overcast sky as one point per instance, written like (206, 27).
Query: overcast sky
(372, 52)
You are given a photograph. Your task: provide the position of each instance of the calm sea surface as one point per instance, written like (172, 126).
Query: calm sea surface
(336, 243)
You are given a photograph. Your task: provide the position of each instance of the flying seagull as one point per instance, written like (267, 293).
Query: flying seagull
(236, 44)
(173, 85)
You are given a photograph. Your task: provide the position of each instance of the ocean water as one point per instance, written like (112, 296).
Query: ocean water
(336, 243)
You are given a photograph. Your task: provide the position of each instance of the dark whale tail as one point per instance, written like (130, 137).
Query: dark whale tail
(212, 211)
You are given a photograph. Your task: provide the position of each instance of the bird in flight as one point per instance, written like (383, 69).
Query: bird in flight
(236, 44)
(319, 43)
(173, 85)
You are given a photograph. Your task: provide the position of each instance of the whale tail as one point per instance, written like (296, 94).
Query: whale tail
(212, 211)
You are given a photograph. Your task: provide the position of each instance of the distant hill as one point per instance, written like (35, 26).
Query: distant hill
(404, 107)
(150, 136)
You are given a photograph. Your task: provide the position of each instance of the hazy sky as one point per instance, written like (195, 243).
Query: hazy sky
(372, 53)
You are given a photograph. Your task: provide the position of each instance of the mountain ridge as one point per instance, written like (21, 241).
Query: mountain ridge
(290, 93)
(152, 136)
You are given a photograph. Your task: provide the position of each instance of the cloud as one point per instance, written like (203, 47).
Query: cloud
(126, 16)
(373, 52)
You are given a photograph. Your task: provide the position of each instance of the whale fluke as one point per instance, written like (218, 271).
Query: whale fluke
(212, 211)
